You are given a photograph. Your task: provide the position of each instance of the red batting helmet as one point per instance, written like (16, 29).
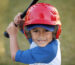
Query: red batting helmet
(43, 13)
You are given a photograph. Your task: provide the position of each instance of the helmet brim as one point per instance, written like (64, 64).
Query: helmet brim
(47, 27)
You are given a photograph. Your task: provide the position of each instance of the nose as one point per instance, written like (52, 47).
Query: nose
(41, 34)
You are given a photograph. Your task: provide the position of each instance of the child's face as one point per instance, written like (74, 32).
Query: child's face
(41, 36)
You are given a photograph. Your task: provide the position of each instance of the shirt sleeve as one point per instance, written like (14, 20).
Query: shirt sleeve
(37, 54)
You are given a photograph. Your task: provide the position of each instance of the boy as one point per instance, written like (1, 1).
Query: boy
(43, 23)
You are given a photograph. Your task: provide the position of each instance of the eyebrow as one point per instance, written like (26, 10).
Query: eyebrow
(34, 29)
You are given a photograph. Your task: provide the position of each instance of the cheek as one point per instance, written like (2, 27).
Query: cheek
(34, 36)
(49, 36)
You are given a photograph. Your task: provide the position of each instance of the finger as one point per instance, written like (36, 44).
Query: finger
(17, 16)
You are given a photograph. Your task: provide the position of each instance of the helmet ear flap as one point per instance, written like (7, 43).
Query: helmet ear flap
(58, 32)
(26, 32)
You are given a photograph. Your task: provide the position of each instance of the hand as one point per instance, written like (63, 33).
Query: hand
(19, 21)
(12, 30)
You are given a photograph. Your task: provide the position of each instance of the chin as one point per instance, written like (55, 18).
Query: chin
(42, 45)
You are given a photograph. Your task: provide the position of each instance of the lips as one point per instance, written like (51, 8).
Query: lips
(42, 41)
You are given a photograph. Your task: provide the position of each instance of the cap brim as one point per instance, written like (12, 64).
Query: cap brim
(47, 27)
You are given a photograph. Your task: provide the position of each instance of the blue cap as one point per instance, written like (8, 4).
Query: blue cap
(47, 27)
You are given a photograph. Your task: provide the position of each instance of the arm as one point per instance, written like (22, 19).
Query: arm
(13, 46)
(37, 54)
(12, 31)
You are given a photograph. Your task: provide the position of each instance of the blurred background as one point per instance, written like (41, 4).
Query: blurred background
(66, 8)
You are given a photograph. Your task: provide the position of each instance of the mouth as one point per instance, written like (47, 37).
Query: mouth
(42, 41)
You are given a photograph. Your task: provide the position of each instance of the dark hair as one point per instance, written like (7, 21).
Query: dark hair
(27, 32)
(55, 32)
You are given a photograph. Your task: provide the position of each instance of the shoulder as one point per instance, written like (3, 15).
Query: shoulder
(52, 47)
(56, 41)
(53, 43)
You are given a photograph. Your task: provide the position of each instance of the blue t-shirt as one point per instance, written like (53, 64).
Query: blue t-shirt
(38, 54)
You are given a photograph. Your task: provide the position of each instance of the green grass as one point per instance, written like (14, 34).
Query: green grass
(9, 8)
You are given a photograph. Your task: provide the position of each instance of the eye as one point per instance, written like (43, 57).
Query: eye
(35, 31)
(46, 30)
